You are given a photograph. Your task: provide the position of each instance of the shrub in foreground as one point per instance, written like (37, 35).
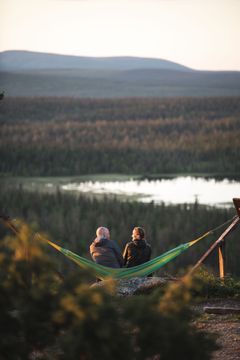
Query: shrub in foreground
(66, 319)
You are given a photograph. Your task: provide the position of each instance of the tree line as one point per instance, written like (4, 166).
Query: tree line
(62, 109)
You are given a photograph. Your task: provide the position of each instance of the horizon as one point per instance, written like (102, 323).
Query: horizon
(201, 35)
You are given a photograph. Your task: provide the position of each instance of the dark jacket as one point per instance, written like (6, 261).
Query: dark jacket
(106, 252)
(136, 252)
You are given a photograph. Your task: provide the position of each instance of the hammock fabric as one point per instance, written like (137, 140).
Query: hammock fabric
(103, 272)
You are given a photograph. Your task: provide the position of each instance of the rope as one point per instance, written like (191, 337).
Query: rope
(210, 232)
(225, 223)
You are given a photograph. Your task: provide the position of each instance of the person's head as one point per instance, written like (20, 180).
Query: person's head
(103, 232)
(138, 233)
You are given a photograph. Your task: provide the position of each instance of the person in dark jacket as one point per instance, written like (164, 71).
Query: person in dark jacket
(104, 251)
(138, 250)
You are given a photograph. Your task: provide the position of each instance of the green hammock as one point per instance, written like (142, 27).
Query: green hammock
(103, 272)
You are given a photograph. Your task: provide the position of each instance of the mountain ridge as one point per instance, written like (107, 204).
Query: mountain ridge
(29, 60)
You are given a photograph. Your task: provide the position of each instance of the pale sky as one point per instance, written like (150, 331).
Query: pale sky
(202, 34)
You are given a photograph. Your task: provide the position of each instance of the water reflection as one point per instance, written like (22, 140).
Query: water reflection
(170, 191)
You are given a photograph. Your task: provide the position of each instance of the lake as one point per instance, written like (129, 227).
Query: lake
(167, 189)
(178, 190)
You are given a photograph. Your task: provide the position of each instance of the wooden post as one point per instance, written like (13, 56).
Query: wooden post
(222, 258)
(236, 202)
(230, 228)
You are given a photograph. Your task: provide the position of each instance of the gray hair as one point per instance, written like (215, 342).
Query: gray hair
(103, 232)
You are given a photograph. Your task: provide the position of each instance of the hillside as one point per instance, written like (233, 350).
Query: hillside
(38, 74)
(65, 136)
(26, 60)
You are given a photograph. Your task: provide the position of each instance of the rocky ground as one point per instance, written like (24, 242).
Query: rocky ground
(135, 286)
(226, 327)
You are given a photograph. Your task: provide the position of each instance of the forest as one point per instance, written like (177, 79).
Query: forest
(71, 222)
(48, 308)
(67, 136)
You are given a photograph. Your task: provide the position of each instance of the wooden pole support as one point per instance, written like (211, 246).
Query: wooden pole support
(229, 229)
(221, 243)
(236, 202)
(221, 258)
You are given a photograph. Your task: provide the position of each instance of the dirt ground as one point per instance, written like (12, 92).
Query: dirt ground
(225, 327)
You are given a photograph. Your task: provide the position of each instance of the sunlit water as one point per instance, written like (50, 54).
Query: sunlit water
(170, 191)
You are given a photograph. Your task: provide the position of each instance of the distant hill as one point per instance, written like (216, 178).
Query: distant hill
(27, 60)
(25, 73)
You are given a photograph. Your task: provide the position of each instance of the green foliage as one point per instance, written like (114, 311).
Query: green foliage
(170, 316)
(66, 319)
(50, 136)
(28, 283)
(92, 327)
(214, 287)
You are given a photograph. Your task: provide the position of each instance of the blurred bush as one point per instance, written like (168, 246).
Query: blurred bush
(44, 316)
